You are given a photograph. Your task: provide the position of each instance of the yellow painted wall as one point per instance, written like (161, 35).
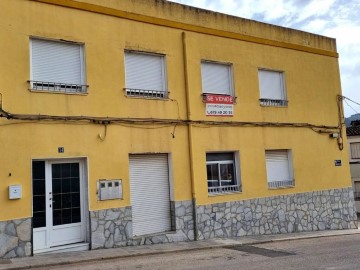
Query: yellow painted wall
(312, 81)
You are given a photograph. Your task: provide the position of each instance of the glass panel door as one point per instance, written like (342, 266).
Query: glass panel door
(66, 193)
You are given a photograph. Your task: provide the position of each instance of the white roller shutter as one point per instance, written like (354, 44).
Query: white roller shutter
(145, 71)
(271, 85)
(149, 194)
(56, 62)
(355, 150)
(277, 166)
(216, 78)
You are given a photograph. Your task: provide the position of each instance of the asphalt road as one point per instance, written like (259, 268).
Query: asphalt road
(330, 253)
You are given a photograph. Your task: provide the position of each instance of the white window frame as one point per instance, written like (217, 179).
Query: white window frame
(59, 87)
(281, 183)
(148, 93)
(221, 189)
(355, 150)
(268, 101)
(230, 76)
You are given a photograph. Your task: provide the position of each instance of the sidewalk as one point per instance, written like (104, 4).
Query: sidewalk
(58, 259)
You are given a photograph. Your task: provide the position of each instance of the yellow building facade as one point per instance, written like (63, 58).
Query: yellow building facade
(142, 122)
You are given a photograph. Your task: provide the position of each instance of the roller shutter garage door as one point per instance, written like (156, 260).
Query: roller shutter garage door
(149, 194)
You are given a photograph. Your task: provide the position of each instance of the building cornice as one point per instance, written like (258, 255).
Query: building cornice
(184, 26)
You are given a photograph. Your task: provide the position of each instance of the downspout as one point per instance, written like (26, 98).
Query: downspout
(190, 127)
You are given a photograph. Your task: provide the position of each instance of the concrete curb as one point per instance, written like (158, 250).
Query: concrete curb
(40, 262)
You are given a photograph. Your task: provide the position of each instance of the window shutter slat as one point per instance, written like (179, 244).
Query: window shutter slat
(271, 85)
(144, 71)
(56, 62)
(216, 78)
(355, 150)
(277, 166)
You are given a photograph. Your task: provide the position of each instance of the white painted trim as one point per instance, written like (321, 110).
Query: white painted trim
(66, 248)
(171, 177)
(84, 195)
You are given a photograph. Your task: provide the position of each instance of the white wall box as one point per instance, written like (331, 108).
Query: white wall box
(110, 189)
(15, 192)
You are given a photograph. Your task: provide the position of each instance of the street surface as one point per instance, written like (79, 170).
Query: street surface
(327, 253)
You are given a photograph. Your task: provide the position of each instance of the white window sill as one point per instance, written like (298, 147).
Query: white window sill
(224, 193)
(282, 187)
(149, 98)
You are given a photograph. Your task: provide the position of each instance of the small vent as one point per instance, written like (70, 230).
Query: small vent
(145, 93)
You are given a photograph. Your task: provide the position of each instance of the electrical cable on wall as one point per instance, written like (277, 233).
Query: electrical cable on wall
(159, 121)
(154, 123)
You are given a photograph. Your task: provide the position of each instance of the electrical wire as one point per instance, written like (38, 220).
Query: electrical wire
(350, 106)
(357, 103)
(158, 121)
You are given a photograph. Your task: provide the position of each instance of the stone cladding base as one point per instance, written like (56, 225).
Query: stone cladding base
(311, 211)
(15, 238)
(113, 227)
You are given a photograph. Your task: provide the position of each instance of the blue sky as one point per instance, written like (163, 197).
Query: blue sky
(338, 19)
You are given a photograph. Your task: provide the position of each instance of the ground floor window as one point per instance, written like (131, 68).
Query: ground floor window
(279, 168)
(357, 190)
(222, 172)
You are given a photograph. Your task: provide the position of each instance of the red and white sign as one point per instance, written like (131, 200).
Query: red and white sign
(219, 99)
(219, 105)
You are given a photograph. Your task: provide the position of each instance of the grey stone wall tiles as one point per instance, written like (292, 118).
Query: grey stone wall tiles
(113, 227)
(15, 238)
(311, 211)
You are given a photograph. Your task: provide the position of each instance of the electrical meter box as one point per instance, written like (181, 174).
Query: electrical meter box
(15, 192)
(110, 189)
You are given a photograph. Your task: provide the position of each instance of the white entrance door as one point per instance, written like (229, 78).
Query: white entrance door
(58, 204)
(149, 194)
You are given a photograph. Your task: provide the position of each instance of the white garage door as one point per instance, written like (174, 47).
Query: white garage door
(149, 194)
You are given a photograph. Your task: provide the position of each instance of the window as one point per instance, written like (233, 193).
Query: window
(57, 66)
(279, 168)
(272, 88)
(216, 78)
(145, 75)
(222, 173)
(355, 150)
(357, 190)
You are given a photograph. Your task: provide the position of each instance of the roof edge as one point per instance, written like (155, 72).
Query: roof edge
(229, 31)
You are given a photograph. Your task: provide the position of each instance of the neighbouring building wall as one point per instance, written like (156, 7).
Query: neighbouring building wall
(354, 153)
(355, 176)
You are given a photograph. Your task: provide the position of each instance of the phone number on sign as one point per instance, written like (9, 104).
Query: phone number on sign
(230, 113)
(219, 110)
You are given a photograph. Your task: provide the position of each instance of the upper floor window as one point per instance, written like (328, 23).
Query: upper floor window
(216, 78)
(355, 150)
(272, 88)
(222, 174)
(279, 168)
(57, 66)
(145, 75)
